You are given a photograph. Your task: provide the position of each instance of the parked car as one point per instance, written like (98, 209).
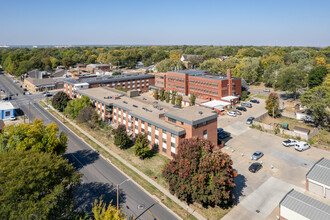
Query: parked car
(25, 90)
(255, 101)
(256, 155)
(12, 118)
(241, 108)
(246, 104)
(48, 94)
(289, 142)
(249, 120)
(232, 113)
(237, 112)
(28, 93)
(255, 167)
(266, 90)
(219, 130)
(301, 146)
(223, 135)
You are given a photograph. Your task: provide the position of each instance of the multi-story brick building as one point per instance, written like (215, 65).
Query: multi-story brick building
(164, 125)
(138, 82)
(201, 83)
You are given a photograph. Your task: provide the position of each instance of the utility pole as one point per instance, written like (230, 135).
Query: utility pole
(29, 113)
(273, 121)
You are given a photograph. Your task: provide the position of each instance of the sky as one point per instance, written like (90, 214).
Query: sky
(165, 22)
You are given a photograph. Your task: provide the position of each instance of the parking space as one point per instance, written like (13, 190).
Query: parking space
(284, 168)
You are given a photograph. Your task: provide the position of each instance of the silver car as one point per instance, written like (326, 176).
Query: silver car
(257, 155)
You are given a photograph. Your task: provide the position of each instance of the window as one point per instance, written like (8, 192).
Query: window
(182, 123)
(205, 134)
(7, 113)
(172, 120)
(142, 129)
(149, 133)
(172, 145)
(156, 137)
(164, 148)
(156, 128)
(173, 135)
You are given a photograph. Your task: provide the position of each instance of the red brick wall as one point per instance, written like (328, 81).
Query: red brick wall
(307, 185)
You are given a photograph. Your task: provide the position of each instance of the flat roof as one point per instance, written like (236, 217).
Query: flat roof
(192, 115)
(215, 103)
(320, 172)
(154, 116)
(306, 206)
(109, 79)
(5, 105)
(205, 74)
(229, 98)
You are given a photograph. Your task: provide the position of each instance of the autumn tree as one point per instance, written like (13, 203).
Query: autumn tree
(201, 172)
(273, 104)
(156, 94)
(102, 212)
(36, 136)
(36, 185)
(60, 101)
(121, 138)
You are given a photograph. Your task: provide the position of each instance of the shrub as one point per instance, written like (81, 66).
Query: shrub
(142, 149)
(121, 138)
(60, 101)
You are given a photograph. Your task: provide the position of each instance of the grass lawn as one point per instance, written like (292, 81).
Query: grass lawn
(151, 167)
(291, 121)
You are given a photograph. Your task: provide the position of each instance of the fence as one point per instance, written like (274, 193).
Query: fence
(283, 131)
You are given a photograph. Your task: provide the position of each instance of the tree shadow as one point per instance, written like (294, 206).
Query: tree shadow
(81, 158)
(240, 182)
(88, 192)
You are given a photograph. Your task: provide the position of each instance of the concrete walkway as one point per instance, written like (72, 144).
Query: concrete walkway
(151, 181)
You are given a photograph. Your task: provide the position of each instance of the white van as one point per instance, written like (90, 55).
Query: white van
(301, 146)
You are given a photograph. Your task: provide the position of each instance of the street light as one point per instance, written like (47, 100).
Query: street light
(118, 192)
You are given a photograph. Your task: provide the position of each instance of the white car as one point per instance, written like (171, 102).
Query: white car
(28, 93)
(12, 118)
(231, 113)
(289, 142)
(301, 146)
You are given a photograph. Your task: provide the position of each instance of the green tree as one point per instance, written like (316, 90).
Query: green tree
(249, 69)
(162, 94)
(36, 185)
(74, 106)
(291, 79)
(167, 96)
(121, 138)
(67, 62)
(244, 95)
(36, 136)
(178, 101)
(248, 52)
(173, 98)
(168, 65)
(116, 73)
(316, 76)
(141, 146)
(212, 65)
(273, 104)
(299, 55)
(102, 212)
(201, 172)
(60, 101)
(317, 101)
(192, 99)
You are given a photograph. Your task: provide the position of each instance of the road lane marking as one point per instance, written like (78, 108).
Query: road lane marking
(152, 214)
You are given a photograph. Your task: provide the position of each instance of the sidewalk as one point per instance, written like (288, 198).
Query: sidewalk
(151, 181)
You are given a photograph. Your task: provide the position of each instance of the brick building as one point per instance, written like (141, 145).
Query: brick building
(201, 83)
(164, 125)
(138, 82)
(94, 67)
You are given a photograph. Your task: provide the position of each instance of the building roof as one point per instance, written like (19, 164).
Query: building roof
(215, 103)
(191, 72)
(108, 79)
(300, 129)
(59, 73)
(192, 115)
(306, 206)
(229, 98)
(41, 82)
(98, 65)
(320, 172)
(4, 105)
(191, 56)
(154, 116)
(203, 74)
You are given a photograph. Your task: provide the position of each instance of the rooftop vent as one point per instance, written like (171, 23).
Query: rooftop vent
(125, 102)
(135, 106)
(200, 112)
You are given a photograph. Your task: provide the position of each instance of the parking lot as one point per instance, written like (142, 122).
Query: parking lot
(258, 194)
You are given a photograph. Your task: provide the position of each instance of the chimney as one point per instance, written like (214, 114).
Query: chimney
(230, 83)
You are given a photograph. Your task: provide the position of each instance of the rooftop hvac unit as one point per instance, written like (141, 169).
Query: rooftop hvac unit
(200, 112)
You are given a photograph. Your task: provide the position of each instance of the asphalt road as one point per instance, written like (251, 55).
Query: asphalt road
(99, 177)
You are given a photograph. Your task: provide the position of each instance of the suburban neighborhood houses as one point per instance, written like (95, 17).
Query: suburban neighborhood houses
(165, 110)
